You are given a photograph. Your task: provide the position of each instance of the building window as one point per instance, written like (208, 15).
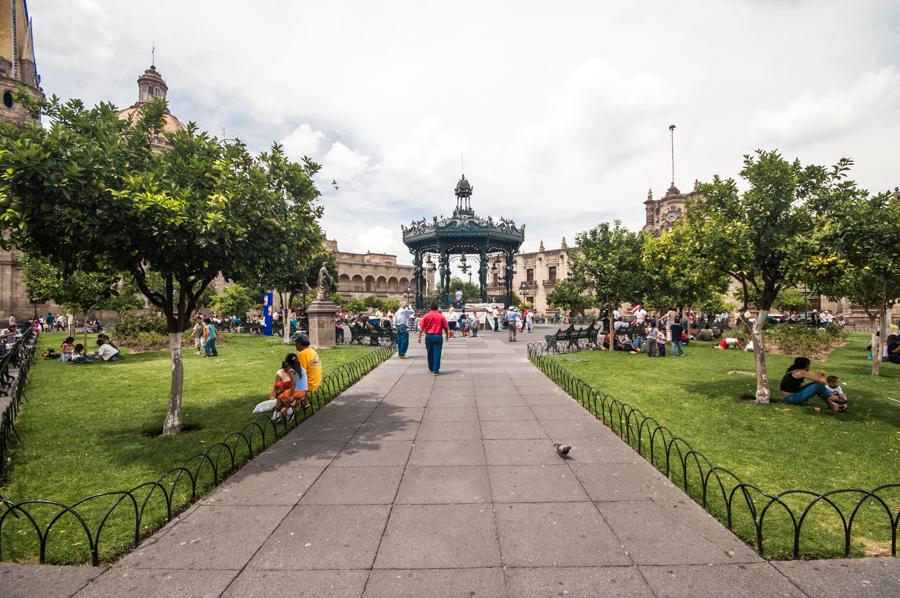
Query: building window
(529, 275)
(8, 99)
(552, 274)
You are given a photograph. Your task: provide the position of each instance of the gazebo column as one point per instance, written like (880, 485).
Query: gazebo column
(419, 278)
(444, 263)
(482, 274)
(510, 264)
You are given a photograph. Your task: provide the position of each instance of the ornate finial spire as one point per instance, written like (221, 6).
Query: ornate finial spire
(463, 192)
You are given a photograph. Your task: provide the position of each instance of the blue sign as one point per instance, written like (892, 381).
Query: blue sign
(267, 314)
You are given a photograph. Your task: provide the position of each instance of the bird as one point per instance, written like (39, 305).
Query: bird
(562, 450)
(334, 184)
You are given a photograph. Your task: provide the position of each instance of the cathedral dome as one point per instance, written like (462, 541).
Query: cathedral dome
(152, 87)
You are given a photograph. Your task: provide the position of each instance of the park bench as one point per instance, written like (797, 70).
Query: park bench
(571, 336)
(374, 336)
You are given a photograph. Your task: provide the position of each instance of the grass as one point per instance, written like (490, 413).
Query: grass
(88, 429)
(778, 446)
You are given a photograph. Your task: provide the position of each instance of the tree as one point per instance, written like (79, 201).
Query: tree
(88, 193)
(355, 305)
(78, 292)
(468, 289)
(790, 300)
(609, 264)
(754, 236)
(236, 300)
(675, 276)
(855, 253)
(569, 296)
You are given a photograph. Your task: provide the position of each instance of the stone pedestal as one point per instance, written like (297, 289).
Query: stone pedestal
(321, 323)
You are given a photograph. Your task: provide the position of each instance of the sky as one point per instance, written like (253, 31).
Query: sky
(559, 111)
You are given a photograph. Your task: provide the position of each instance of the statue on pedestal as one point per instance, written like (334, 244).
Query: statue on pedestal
(323, 284)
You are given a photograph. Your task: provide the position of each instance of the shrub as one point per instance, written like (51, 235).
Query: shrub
(142, 330)
(803, 340)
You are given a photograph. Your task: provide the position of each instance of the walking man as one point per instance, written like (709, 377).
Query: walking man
(511, 317)
(496, 320)
(677, 331)
(432, 325)
(402, 321)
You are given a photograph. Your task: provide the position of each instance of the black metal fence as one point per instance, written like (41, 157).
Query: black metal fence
(12, 386)
(718, 490)
(169, 494)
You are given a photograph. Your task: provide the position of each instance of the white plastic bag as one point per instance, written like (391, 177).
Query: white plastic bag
(265, 406)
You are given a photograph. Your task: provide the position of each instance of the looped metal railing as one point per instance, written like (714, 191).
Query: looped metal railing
(148, 506)
(722, 492)
(12, 386)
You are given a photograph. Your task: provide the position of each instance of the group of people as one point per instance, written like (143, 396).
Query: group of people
(828, 388)
(72, 352)
(300, 374)
(205, 334)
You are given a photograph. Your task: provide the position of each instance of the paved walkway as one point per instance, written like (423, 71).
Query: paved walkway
(411, 485)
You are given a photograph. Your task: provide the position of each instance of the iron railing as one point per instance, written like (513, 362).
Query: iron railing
(176, 489)
(708, 483)
(12, 386)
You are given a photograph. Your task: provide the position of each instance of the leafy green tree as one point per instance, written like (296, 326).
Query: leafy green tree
(356, 305)
(790, 300)
(78, 292)
(570, 297)
(468, 289)
(675, 276)
(855, 253)
(89, 193)
(754, 235)
(609, 264)
(236, 300)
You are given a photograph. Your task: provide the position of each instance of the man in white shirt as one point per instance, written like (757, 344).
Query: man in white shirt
(511, 317)
(640, 315)
(402, 321)
(459, 298)
(107, 351)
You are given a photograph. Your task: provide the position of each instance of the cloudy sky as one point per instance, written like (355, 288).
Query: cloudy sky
(560, 109)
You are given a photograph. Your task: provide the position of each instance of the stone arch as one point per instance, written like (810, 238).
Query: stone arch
(381, 284)
(357, 284)
(404, 282)
(344, 282)
(370, 284)
(392, 284)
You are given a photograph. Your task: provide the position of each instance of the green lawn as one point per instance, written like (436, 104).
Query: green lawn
(775, 447)
(87, 429)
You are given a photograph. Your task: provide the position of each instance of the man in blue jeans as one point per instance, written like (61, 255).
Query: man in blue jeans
(401, 321)
(431, 326)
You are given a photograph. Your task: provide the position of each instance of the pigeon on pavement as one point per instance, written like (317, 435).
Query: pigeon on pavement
(562, 450)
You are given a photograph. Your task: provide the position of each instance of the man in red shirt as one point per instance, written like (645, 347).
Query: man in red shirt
(432, 325)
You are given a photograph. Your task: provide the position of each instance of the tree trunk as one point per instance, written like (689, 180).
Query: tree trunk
(876, 322)
(172, 425)
(70, 325)
(84, 329)
(759, 357)
(287, 323)
(612, 329)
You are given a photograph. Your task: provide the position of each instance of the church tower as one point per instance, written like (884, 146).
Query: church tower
(18, 68)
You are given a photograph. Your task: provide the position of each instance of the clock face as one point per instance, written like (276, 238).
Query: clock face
(671, 216)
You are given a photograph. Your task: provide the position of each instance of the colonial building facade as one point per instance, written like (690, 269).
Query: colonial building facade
(375, 274)
(664, 213)
(535, 275)
(18, 71)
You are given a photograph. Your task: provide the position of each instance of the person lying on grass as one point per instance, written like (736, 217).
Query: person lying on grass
(796, 393)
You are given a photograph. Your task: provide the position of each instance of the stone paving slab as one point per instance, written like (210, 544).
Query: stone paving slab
(557, 535)
(454, 484)
(577, 582)
(355, 486)
(161, 583)
(324, 537)
(211, 537)
(863, 578)
(436, 583)
(745, 580)
(535, 483)
(300, 584)
(439, 536)
(46, 581)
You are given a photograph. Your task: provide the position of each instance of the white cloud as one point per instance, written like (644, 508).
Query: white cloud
(344, 164)
(816, 116)
(378, 239)
(303, 141)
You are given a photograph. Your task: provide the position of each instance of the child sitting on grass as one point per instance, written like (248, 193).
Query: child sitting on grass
(838, 397)
(79, 356)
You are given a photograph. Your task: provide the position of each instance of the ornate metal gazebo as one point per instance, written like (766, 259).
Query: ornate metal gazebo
(462, 234)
